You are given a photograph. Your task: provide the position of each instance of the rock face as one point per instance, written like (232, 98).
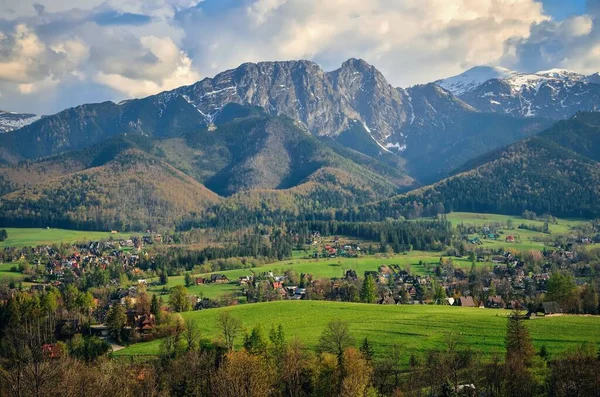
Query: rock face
(10, 121)
(353, 101)
(554, 94)
(324, 102)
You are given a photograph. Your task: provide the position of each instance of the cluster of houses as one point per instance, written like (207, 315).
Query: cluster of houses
(336, 248)
(124, 252)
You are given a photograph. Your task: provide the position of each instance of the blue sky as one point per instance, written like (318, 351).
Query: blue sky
(60, 53)
(561, 9)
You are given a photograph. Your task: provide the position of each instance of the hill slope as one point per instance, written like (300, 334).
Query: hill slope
(126, 181)
(134, 191)
(327, 104)
(548, 173)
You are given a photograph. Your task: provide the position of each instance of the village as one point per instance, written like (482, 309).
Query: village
(124, 272)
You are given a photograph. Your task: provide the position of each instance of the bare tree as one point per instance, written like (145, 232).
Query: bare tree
(191, 334)
(335, 339)
(230, 327)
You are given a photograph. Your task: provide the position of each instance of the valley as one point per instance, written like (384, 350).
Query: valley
(304, 224)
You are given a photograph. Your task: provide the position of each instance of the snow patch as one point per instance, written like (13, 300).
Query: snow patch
(366, 127)
(473, 78)
(396, 146)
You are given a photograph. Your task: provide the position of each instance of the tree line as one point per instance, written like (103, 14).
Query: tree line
(256, 362)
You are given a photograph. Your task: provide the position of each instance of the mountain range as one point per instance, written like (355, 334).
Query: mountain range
(278, 140)
(10, 121)
(553, 94)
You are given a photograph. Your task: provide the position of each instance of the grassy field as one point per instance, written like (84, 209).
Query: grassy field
(528, 239)
(212, 291)
(321, 268)
(5, 272)
(415, 328)
(24, 237)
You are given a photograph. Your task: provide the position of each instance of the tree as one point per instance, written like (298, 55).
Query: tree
(357, 374)
(3, 235)
(191, 334)
(563, 289)
(335, 339)
(142, 304)
(510, 224)
(367, 350)
(116, 319)
(255, 342)
(518, 340)
(589, 299)
(86, 303)
(188, 280)
(519, 355)
(277, 337)
(230, 328)
(243, 375)
(163, 278)
(179, 301)
(155, 308)
(368, 290)
(295, 371)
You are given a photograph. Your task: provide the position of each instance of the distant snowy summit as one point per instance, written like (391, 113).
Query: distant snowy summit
(10, 121)
(473, 78)
(554, 93)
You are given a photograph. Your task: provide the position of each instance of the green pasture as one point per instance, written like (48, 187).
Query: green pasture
(319, 268)
(32, 237)
(415, 328)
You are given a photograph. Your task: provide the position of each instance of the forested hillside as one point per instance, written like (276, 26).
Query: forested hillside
(137, 182)
(535, 174)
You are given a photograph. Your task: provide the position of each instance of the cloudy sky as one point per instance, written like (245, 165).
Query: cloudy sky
(59, 53)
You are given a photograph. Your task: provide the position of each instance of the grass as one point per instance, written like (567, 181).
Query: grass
(6, 273)
(528, 239)
(563, 226)
(32, 237)
(321, 268)
(212, 291)
(415, 328)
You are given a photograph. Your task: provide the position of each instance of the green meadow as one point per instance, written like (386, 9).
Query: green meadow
(32, 237)
(5, 272)
(415, 328)
(319, 268)
(528, 239)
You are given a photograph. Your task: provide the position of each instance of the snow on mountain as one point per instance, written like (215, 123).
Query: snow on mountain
(554, 94)
(10, 121)
(473, 78)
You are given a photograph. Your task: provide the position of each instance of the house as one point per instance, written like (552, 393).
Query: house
(200, 281)
(277, 284)
(549, 308)
(52, 350)
(515, 305)
(388, 300)
(218, 278)
(510, 239)
(495, 302)
(465, 301)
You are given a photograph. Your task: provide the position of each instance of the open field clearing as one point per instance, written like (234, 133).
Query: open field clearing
(25, 237)
(415, 327)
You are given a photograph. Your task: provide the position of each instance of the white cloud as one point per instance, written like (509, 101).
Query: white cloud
(172, 68)
(571, 44)
(410, 40)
